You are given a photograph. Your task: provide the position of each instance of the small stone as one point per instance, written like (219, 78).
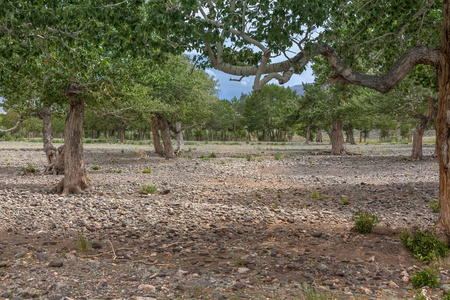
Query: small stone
(55, 264)
(392, 285)
(147, 288)
(243, 270)
(96, 246)
(238, 286)
(446, 288)
(182, 273)
(220, 296)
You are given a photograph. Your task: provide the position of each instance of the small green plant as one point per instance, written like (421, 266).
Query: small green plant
(83, 242)
(29, 169)
(213, 155)
(311, 293)
(260, 160)
(426, 277)
(315, 195)
(364, 221)
(118, 171)
(95, 167)
(277, 156)
(434, 205)
(275, 205)
(345, 201)
(425, 246)
(148, 189)
(222, 162)
(147, 171)
(278, 195)
(249, 157)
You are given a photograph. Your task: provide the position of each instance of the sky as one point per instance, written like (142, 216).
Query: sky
(229, 89)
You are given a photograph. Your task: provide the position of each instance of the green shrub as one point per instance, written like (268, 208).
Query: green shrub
(277, 156)
(426, 277)
(345, 201)
(95, 167)
(29, 169)
(249, 157)
(364, 221)
(425, 245)
(434, 205)
(213, 155)
(148, 189)
(147, 171)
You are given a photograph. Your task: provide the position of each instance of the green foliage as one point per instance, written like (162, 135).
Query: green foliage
(28, 169)
(147, 171)
(434, 205)
(364, 221)
(345, 201)
(277, 156)
(426, 277)
(95, 167)
(148, 189)
(425, 246)
(311, 293)
(315, 195)
(249, 157)
(213, 155)
(83, 242)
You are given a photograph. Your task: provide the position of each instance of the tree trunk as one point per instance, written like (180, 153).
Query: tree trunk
(156, 138)
(443, 125)
(122, 133)
(75, 176)
(319, 136)
(417, 140)
(308, 134)
(49, 149)
(350, 136)
(337, 137)
(165, 135)
(180, 141)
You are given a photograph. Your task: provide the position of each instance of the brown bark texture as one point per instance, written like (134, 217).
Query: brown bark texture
(49, 149)
(350, 135)
(337, 137)
(75, 176)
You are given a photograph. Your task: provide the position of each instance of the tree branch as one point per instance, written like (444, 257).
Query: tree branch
(383, 83)
(15, 126)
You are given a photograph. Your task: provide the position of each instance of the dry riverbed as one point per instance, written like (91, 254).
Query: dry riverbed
(239, 225)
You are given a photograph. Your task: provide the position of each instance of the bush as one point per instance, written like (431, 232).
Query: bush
(213, 155)
(147, 171)
(148, 189)
(95, 167)
(426, 277)
(364, 221)
(425, 245)
(29, 169)
(277, 156)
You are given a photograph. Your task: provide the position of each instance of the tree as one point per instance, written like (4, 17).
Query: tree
(76, 47)
(240, 38)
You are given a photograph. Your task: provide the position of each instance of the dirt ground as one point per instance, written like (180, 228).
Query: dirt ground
(256, 221)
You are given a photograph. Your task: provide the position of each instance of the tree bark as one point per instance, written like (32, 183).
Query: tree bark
(443, 125)
(156, 137)
(75, 176)
(180, 141)
(350, 135)
(308, 134)
(319, 136)
(337, 137)
(165, 135)
(417, 140)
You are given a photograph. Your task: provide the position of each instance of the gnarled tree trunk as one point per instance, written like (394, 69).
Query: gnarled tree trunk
(49, 149)
(179, 136)
(308, 134)
(156, 137)
(75, 176)
(319, 136)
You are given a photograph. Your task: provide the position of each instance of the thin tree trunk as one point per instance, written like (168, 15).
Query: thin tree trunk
(156, 138)
(308, 133)
(122, 133)
(417, 141)
(180, 141)
(319, 136)
(50, 151)
(75, 176)
(165, 135)
(350, 136)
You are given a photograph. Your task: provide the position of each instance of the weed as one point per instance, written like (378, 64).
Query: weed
(95, 167)
(118, 171)
(315, 195)
(83, 242)
(278, 195)
(345, 201)
(434, 205)
(147, 171)
(277, 156)
(29, 169)
(425, 245)
(426, 277)
(148, 189)
(260, 160)
(311, 293)
(249, 157)
(213, 155)
(123, 151)
(364, 221)
(222, 162)
(275, 205)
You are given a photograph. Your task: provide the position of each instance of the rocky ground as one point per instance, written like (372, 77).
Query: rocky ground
(243, 224)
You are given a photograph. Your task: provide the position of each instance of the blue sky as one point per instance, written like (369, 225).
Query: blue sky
(229, 89)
